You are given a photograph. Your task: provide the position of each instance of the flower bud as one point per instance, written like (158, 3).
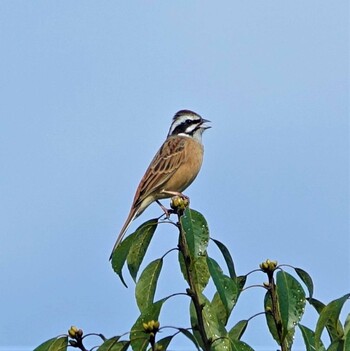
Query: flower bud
(268, 266)
(151, 327)
(179, 202)
(72, 332)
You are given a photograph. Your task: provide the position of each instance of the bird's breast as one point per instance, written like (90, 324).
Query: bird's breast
(189, 168)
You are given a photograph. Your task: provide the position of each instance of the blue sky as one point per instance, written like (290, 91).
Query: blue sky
(88, 92)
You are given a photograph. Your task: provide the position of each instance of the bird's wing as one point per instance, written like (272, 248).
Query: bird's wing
(164, 164)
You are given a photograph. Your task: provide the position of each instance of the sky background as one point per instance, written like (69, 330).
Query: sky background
(88, 90)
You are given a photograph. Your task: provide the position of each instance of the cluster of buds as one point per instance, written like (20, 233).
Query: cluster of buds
(268, 266)
(77, 335)
(151, 327)
(179, 203)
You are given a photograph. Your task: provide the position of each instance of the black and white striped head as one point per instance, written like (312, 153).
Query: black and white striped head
(188, 123)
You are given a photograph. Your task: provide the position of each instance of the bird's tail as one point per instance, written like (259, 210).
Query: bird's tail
(132, 215)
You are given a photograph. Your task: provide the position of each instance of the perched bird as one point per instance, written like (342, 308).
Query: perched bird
(173, 168)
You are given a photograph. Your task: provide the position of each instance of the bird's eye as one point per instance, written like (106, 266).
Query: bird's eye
(188, 121)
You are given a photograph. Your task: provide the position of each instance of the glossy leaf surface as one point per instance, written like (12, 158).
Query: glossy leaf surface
(330, 315)
(113, 344)
(309, 338)
(214, 329)
(139, 245)
(305, 277)
(238, 330)
(227, 257)
(291, 300)
(146, 285)
(54, 344)
(139, 339)
(226, 286)
(120, 254)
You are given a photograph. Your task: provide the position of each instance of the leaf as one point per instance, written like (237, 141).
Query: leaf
(214, 329)
(318, 305)
(275, 327)
(291, 300)
(309, 338)
(190, 336)
(196, 234)
(347, 335)
(226, 287)
(347, 325)
(143, 236)
(163, 344)
(337, 345)
(238, 330)
(219, 308)
(332, 332)
(330, 316)
(238, 345)
(139, 339)
(120, 254)
(54, 344)
(196, 230)
(113, 344)
(269, 318)
(228, 259)
(199, 270)
(241, 280)
(147, 283)
(305, 277)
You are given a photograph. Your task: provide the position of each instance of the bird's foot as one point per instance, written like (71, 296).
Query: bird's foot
(167, 211)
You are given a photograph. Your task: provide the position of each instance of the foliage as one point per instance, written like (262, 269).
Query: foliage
(284, 302)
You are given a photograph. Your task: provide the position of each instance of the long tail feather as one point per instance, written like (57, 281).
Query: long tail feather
(132, 215)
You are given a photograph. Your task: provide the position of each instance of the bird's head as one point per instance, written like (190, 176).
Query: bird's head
(188, 123)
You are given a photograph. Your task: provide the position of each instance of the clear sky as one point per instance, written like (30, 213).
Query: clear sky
(88, 90)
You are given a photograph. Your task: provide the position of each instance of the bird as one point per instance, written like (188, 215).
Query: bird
(173, 168)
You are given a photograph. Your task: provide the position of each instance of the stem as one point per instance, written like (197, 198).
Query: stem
(275, 311)
(192, 291)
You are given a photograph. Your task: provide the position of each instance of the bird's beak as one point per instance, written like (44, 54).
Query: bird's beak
(203, 125)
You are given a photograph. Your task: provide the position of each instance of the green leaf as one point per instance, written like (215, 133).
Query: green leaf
(113, 344)
(197, 233)
(332, 332)
(238, 330)
(142, 238)
(139, 339)
(226, 287)
(309, 338)
(347, 335)
(318, 305)
(146, 285)
(238, 345)
(337, 345)
(269, 318)
(330, 316)
(214, 329)
(291, 300)
(190, 336)
(199, 271)
(275, 326)
(228, 259)
(163, 344)
(347, 325)
(120, 254)
(305, 277)
(54, 344)
(241, 280)
(219, 308)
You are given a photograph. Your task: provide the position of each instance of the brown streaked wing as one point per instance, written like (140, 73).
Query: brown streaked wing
(167, 160)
